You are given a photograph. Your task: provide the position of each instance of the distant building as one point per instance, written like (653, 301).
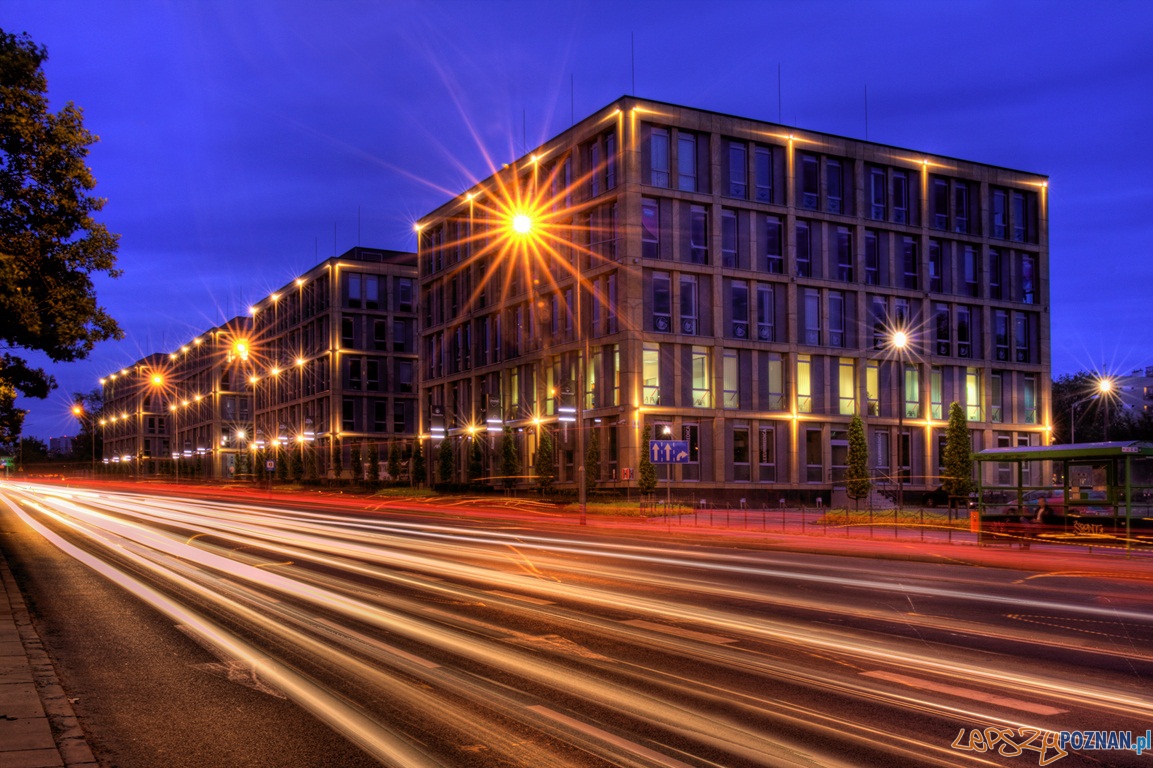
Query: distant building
(1135, 390)
(60, 446)
(335, 361)
(740, 285)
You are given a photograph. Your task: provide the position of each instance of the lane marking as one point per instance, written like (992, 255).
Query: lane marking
(609, 738)
(688, 634)
(523, 598)
(966, 693)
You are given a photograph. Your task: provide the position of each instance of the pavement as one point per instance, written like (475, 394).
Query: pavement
(39, 729)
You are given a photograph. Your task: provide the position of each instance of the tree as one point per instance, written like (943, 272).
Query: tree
(647, 474)
(50, 244)
(295, 464)
(545, 460)
(356, 462)
(445, 461)
(418, 463)
(91, 410)
(857, 483)
(32, 450)
(958, 459)
(310, 470)
(509, 458)
(394, 462)
(592, 461)
(475, 462)
(373, 463)
(337, 458)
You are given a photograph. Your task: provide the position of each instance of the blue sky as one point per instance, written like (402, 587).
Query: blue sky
(242, 142)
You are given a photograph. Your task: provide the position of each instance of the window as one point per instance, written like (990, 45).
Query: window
(877, 210)
(912, 392)
(373, 377)
(836, 318)
(814, 460)
(380, 416)
(691, 433)
(936, 394)
(347, 333)
(942, 323)
(741, 453)
(1021, 336)
(354, 377)
(702, 392)
(1020, 218)
(964, 332)
(650, 228)
(804, 250)
(738, 170)
(774, 256)
(1028, 281)
(651, 365)
(371, 292)
(739, 304)
(834, 187)
(610, 160)
(911, 262)
(900, 197)
(973, 394)
(996, 401)
(698, 235)
(659, 157)
(767, 454)
(872, 258)
(873, 386)
(403, 335)
(1000, 214)
(774, 376)
(729, 253)
(812, 306)
(731, 378)
(354, 291)
(405, 291)
(939, 191)
(594, 169)
(971, 268)
(936, 283)
(804, 384)
(690, 305)
(348, 414)
(1030, 398)
(766, 330)
(405, 376)
(844, 254)
(1001, 334)
(763, 174)
(879, 309)
(380, 335)
(402, 416)
(847, 386)
(838, 454)
(687, 162)
(662, 302)
(810, 179)
(996, 281)
(961, 207)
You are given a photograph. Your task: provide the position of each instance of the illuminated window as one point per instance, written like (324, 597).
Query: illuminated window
(936, 401)
(847, 386)
(651, 373)
(773, 378)
(701, 373)
(873, 387)
(804, 384)
(912, 392)
(731, 378)
(973, 394)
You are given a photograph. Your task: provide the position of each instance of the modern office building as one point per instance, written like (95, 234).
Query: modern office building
(135, 418)
(209, 402)
(334, 362)
(741, 286)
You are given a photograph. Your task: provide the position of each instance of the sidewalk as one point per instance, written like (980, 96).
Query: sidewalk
(38, 728)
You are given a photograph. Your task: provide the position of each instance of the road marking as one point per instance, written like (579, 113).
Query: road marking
(609, 738)
(688, 634)
(966, 693)
(524, 598)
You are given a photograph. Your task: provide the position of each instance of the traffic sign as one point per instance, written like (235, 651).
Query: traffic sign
(270, 465)
(669, 451)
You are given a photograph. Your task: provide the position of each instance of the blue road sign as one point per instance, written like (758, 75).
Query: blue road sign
(669, 451)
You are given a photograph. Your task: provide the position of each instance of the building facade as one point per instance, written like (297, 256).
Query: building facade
(334, 364)
(135, 419)
(738, 285)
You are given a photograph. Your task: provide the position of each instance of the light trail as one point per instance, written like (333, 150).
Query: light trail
(521, 638)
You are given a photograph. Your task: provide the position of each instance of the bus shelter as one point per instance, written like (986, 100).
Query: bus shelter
(1088, 494)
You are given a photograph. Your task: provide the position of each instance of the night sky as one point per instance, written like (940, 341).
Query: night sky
(243, 142)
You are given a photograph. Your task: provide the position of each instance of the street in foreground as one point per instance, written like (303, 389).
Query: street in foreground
(224, 634)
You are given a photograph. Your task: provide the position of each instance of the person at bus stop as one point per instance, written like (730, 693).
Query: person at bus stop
(1042, 511)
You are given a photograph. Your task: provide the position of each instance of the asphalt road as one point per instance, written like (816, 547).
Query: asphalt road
(206, 633)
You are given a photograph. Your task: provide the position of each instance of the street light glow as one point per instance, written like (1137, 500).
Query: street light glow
(900, 339)
(522, 224)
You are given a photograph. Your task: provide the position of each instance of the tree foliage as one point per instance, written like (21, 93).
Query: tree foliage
(418, 471)
(50, 244)
(394, 462)
(445, 461)
(373, 462)
(592, 461)
(958, 459)
(509, 458)
(647, 474)
(475, 461)
(857, 482)
(356, 460)
(545, 460)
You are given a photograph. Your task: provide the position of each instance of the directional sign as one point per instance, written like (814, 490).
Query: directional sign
(270, 465)
(669, 451)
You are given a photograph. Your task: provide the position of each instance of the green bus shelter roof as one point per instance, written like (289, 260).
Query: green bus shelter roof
(1071, 452)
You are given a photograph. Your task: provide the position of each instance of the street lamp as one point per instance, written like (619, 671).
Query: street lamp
(78, 412)
(899, 341)
(1104, 389)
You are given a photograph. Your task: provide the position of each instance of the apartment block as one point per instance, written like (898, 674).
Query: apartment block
(738, 285)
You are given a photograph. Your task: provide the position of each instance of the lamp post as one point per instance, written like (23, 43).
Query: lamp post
(78, 412)
(1104, 388)
(899, 340)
